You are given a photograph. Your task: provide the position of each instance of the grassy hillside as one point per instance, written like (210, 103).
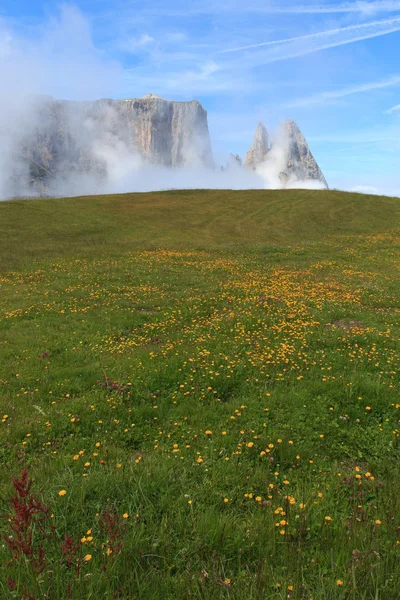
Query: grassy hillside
(186, 219)
(204, 388)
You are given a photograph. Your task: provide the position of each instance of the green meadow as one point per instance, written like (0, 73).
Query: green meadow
(200, 396)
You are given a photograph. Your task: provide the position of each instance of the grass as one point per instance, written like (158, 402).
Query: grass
(204, 388)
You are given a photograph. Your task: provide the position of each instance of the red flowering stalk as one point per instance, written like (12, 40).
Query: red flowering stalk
(11, 583)
(26, 595)
(28, 513)
(110, 523)
(70, 552)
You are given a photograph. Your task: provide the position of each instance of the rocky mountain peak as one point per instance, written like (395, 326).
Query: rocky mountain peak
(289, 154)
(234, 160)
(291, 127)
(77, 137)
(152, 97)
(259, 148)
(299, 163)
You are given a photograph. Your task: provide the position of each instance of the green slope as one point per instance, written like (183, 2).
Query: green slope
(194, 218)
(204, 387)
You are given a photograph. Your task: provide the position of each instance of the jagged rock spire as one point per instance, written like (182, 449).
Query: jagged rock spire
(234, 160)
(259, 149)
(288, 159)
(299, 163)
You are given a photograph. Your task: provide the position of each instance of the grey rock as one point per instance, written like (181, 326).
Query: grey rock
(299, 163)
(289, 155)
(234, 160)
(66, 136)
(259, 149)
(283, 178)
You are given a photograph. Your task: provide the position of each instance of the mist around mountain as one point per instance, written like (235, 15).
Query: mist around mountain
(65, 148)
(287, 161)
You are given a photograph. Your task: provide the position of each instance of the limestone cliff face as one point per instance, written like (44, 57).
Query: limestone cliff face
(167, 133)
(259, 149)
(75, 136)
(289, 155)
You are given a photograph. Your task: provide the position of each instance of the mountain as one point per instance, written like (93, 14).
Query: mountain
(65, 148)
(259, 149)
(300, 163)
(289, 155)
(65, 137)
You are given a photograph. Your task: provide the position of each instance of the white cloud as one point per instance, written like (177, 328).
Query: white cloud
(204, 78)
(5, 44)
(363, 7)
(393, 109)
(133, 45)
(175, 37)
(205, 7)
(59, 59)
(267, 52)
(364, 189)
(325, 97)
(370, 135)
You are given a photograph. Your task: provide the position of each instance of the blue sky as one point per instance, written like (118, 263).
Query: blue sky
(332, 66)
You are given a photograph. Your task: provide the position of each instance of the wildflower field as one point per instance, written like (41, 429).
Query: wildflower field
(200, 397)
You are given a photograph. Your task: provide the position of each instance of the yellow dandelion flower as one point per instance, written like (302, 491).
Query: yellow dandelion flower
(87, 557)
(62, 492)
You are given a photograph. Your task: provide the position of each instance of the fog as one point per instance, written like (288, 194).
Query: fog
(64, 63)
